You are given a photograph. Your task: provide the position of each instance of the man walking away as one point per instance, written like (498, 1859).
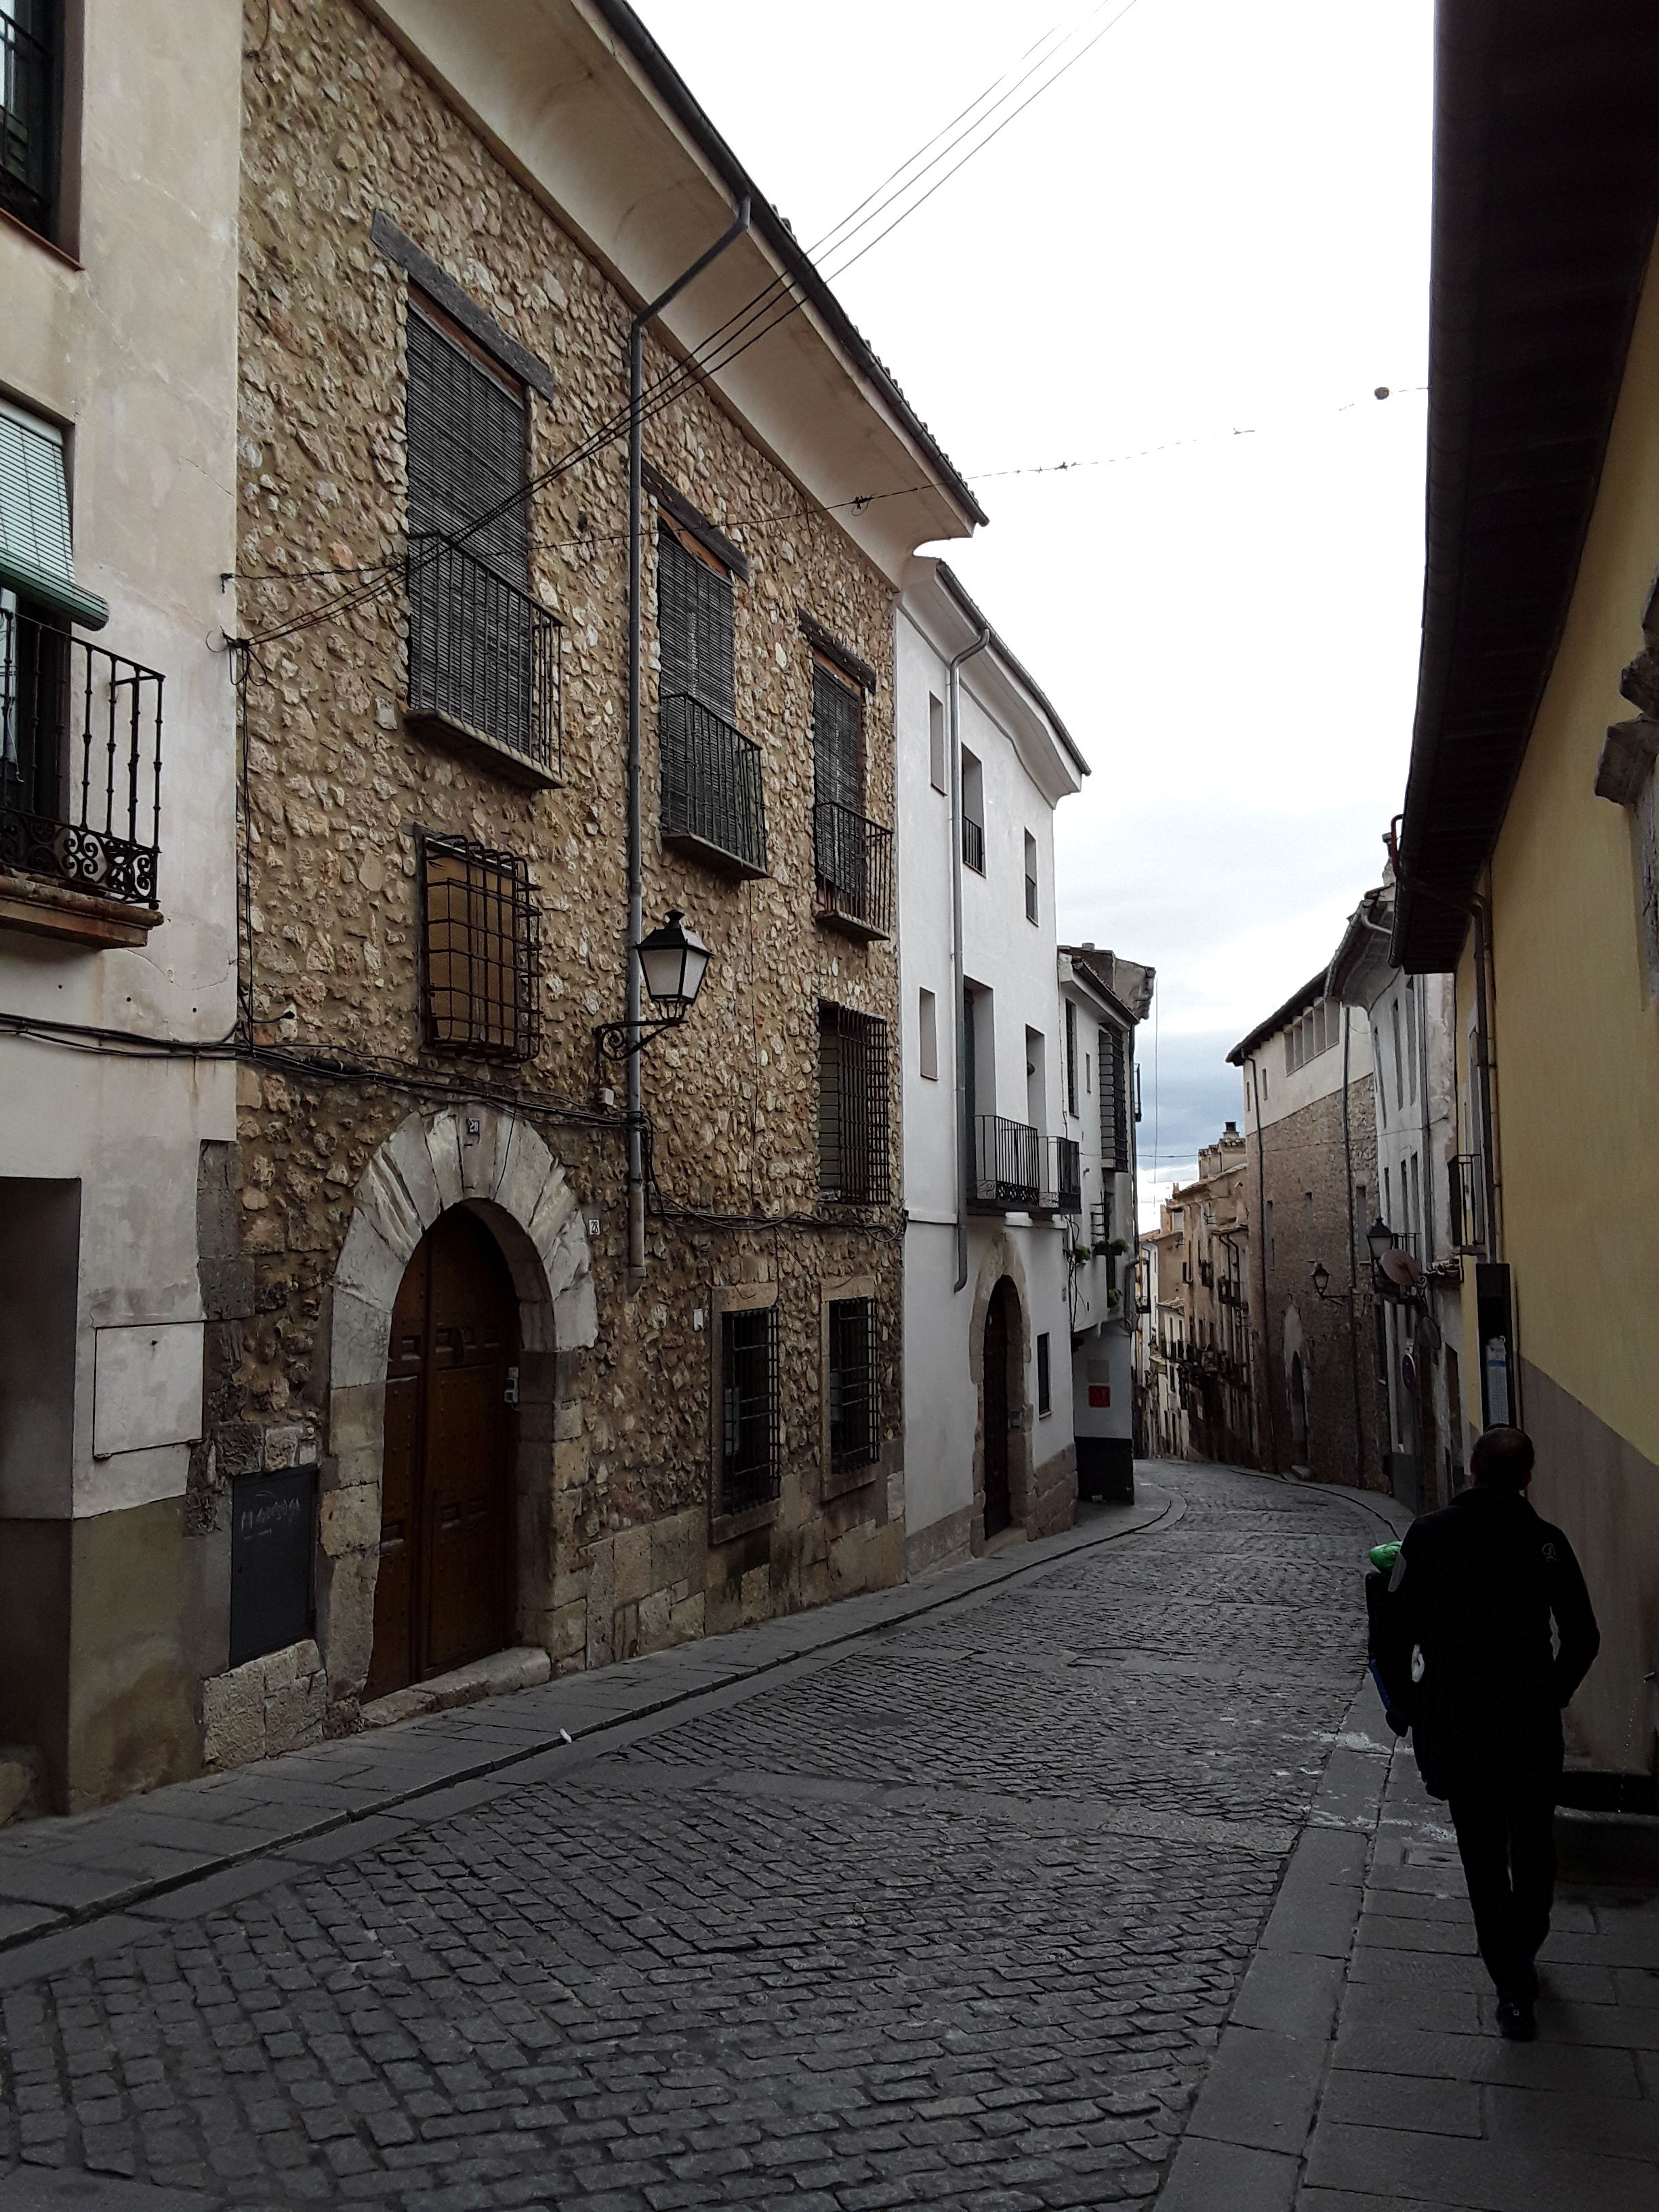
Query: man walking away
(1476, 1587)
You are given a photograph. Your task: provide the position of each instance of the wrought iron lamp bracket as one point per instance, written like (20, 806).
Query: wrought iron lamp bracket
(621, 1040)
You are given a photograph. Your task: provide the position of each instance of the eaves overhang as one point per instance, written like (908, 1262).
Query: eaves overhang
(1296, 1006)
(1545, 187)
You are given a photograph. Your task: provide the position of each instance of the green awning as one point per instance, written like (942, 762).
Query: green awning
(35, 556)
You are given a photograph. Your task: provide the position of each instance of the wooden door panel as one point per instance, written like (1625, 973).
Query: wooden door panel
(466, 1515)
(998, 1505)
(393, 1663)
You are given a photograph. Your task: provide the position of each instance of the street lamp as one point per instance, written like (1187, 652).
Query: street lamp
(674, 961)
(1381, 1239)
(1323, 1290)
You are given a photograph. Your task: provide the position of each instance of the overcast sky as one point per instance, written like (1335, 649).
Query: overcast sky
(1211, 235)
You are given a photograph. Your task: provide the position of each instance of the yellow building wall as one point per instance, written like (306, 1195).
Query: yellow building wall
(1576, 1046)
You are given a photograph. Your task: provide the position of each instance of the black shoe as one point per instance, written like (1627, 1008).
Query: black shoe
(1515, 2022)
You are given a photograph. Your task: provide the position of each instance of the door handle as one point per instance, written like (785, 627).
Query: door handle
(510, 1394)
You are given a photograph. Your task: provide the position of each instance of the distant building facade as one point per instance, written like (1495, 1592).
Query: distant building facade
(1310, 1137)
(1196, 1356)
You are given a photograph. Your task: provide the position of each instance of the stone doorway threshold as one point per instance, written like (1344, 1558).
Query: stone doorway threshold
(524, 1668)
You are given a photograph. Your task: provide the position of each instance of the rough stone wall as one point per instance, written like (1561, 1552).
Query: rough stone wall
(337, 127)
(1304, 1153)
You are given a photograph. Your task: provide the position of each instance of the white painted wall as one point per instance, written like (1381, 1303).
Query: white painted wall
(1026, 770)
(134, 355)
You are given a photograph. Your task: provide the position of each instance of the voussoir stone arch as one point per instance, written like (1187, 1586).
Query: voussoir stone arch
(498, 1167)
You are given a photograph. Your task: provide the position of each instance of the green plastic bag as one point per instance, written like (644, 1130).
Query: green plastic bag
(1383, 1557)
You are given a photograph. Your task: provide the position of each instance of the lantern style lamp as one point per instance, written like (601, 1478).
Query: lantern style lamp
(1321, 1278)
(1381, 1239)
(672, 961)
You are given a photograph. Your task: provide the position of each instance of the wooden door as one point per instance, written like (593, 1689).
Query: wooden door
(999, 1505)
(444, 1593)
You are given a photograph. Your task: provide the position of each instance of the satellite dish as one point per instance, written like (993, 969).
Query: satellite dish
(1401, 1270)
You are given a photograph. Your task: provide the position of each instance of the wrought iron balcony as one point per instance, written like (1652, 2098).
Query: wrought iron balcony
(1467, 1190)
(80, 763)
(1062, 1188)
(854, 857)
(973, 845)
(485, 660)
(1008, 1165)
(712, 803)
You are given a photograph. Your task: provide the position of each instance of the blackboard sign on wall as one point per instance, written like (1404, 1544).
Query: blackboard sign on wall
(273, 1517)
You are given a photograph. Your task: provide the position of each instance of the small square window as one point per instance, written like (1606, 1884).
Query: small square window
(481, 941)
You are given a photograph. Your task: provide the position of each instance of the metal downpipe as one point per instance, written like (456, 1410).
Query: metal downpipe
(635, 1096)
(953, 690)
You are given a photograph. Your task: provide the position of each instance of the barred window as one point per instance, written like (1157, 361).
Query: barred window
(750, 1438)
(1114, 1103)
(854, 1421)
(853, 1142)
(482, 654)
(481, 938)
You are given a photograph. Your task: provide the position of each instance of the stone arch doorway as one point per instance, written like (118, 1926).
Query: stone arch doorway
(444, 1594)
(1002, 1395)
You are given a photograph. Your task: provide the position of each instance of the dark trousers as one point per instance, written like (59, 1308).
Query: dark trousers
(1506, 1838)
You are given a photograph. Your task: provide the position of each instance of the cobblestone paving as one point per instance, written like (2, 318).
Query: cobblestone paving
(951, 1918)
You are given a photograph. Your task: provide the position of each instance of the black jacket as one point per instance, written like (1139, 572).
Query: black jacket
(1475, 1589)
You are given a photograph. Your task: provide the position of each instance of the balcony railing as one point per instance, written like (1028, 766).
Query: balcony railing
(712, 802)
(1469, 1210)
(1007, 1164)
(973, 845)
(1062, 1183)
(484, 659)
(80, 763)
(854, 857)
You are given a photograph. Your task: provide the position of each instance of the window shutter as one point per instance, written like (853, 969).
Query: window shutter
(466, 440)
(837, 747)
(35, 557)
(695, 629)
(1114, 1103)
(1071, 1056)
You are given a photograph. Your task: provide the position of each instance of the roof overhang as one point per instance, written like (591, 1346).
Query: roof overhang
(1293, 1008)
(1362, 964)
(578, 101)
(1546, 184)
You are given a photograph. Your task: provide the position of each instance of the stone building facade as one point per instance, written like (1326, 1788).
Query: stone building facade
(1197, 1354)
(1311, 1136)
(391, 1175)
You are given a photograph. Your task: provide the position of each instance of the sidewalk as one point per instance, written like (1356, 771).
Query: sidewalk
(73, 1888)
(1361, 2069)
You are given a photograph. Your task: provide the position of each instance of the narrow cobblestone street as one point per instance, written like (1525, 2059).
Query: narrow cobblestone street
(952, 1917)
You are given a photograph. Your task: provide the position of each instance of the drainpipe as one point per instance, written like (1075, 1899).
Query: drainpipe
(636, 832)
(1261, 1248)
(953, 692)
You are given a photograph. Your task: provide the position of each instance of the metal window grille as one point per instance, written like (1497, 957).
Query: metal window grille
(1045, 1381)
(1064, 1192)
(853, 860)
(1071, 1056)
(854, 1417)
(80, 762)
(1466, 1183)
(483, 654)
(751, 1456)
(480, 940)
(29, 106)
(1007, 1163)
(712, 797)
(1113, 1101)
(854, 1151)
(973, 845)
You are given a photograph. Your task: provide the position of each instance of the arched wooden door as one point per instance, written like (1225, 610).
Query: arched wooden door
(999, 1344)
(445, 1588)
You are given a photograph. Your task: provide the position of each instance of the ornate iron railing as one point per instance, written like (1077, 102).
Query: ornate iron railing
(1007, 1163)
(1062, 1189)
(483, 656)
(80, 762)
(711, 786)
(973, 845)
(854, 857)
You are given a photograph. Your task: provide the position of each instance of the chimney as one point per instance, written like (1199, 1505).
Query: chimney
(1232, 1130)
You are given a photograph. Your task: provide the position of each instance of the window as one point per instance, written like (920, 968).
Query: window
(936, 760)
(853, 1144)
(853, 856)
(1030, 877)
(480, 938)
(973, 813)
(750, 1453)
(1045, 1394)
(1307, 1208)
(1114, 1103)
(696, 623)
(1272, 1249)
(855, 1425)
(711, 778)
(1411, 1036)
(31, 107)
(1070, 1057)
(928, 1015)
(482, 654)
(1399, 1065)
